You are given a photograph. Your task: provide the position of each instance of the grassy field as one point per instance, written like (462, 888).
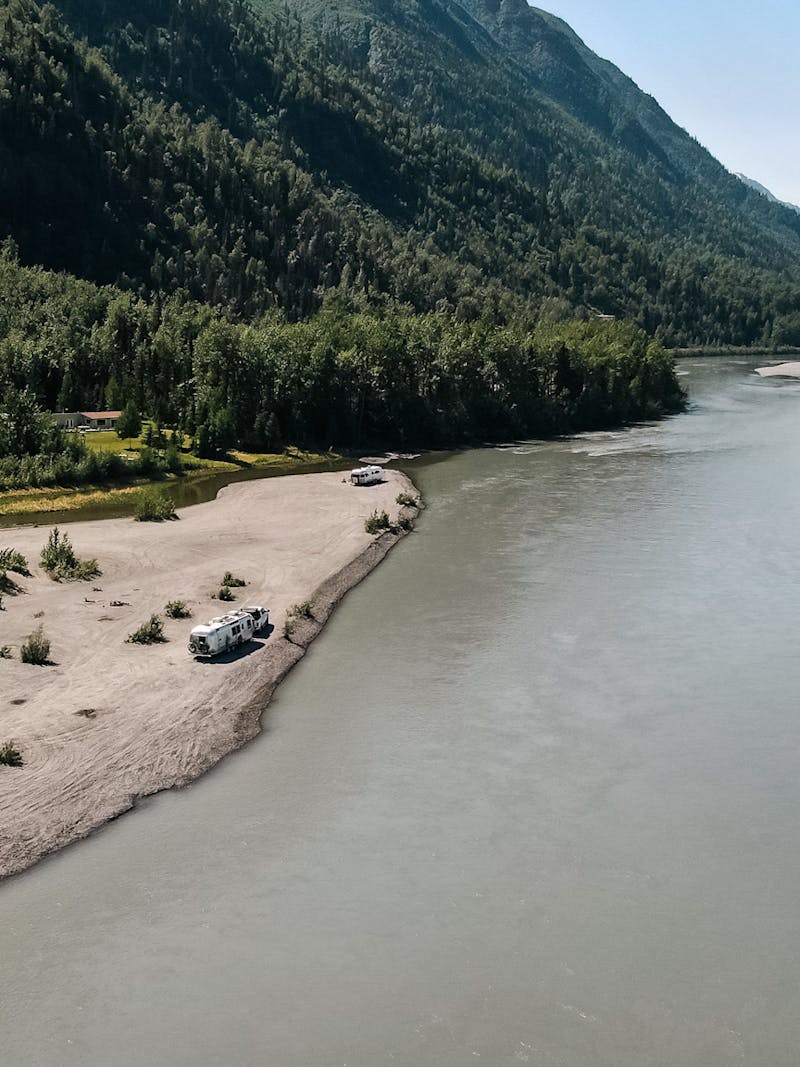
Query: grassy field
(34, 502)
(108, 441)
(97, 501)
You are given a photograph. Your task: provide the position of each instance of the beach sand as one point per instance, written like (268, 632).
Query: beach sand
(110, 721)
(783, 370)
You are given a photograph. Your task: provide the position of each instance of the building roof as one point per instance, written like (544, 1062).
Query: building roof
(100, 414)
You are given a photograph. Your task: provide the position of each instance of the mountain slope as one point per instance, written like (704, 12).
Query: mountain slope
(469, 156)
(751, 183)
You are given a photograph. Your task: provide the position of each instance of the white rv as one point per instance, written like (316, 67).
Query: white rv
(222, 634)
(366, 475)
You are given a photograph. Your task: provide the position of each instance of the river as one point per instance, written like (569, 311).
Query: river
(532, 798)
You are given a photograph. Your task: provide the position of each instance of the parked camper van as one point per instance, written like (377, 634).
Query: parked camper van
(366, 475)
(222, 634)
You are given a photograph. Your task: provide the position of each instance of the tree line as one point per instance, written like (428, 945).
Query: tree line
(335, 379)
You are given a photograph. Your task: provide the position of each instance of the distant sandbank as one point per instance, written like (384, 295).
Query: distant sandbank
(782, 370)
(108, 721)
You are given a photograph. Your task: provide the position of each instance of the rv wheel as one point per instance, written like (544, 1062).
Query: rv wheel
(192, 647)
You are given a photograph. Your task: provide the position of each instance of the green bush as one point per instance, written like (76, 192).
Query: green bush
(225, 594)
(149, 633)
(10, 560)
(377, 523)
(231, 582)
(10, 756)
(302, 611)
(405, 523)
(36, 649)
(154, 505)
(59, 560)
(406, 500)
(177, 609)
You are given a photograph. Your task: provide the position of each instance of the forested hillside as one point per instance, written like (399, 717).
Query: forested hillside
(468, 157)
(393, 220)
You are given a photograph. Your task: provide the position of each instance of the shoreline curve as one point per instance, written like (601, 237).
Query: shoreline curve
(68, 809)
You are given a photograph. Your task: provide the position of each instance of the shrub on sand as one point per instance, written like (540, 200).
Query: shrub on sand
(154, 505)
(303, 610)
(177, 609)
(10, 756)
(377, 523)
(11, 560)
(59, 560)
(36, 649)
(406, 500)
(232, 582)
(149, 633)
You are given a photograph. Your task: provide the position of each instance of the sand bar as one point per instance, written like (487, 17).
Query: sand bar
(783, 370)
(108, 721)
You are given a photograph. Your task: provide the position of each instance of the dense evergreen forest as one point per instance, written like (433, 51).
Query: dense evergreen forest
(393, 220)
(339, 376)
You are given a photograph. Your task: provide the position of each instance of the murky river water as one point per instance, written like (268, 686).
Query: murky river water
(532, 798)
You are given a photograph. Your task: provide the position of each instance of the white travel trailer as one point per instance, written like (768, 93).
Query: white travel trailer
(366, 475)
(222, 634)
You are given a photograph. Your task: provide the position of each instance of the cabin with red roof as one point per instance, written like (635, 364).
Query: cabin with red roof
(86, 420)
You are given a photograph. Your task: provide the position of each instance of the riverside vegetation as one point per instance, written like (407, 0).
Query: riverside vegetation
(258, 228)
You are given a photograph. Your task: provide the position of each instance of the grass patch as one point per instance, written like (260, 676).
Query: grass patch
(154, 505)
(177, 609)
(36, 649)
(11, 560)
(109, 441)
(10, 756)
(61, 563)
(224, 594)
(149, 633)
(377, 522)
(33, 502)
(232, 582)
(290, 457)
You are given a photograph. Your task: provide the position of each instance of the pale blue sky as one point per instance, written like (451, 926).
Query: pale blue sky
(728, 71)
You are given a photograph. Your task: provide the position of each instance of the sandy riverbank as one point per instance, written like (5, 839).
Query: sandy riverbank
(108, 722)
(783, 370)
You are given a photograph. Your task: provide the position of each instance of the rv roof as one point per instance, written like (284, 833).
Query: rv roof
(223, 620)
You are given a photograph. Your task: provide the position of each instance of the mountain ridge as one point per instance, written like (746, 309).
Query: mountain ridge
(426, 152)
(751, 183)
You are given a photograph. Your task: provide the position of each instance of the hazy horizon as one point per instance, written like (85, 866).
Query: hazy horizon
(725, 71)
